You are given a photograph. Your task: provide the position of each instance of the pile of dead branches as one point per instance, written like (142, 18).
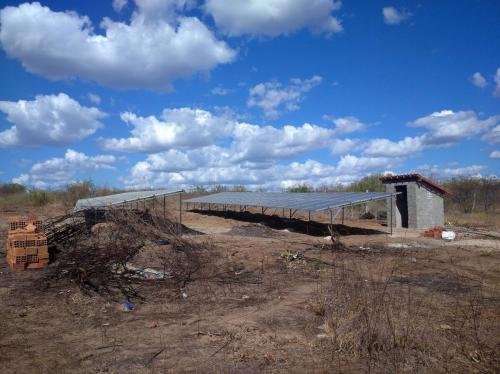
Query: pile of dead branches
(97, 257)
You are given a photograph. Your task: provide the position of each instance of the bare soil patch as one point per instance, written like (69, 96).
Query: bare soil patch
(422, 307)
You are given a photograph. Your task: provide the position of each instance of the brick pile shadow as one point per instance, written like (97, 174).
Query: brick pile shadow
(313, 228)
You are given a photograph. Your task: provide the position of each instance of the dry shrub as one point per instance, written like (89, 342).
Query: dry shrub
(97, 258)
(185, 258)
(380, 325)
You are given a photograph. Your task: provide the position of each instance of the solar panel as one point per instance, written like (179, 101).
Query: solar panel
(125, 197)
(307, 201)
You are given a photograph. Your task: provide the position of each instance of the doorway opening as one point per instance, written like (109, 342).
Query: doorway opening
(402, 204)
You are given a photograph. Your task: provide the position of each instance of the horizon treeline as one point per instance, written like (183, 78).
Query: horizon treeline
(468, 194)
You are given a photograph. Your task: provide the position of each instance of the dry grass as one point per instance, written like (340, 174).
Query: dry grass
(489, 220)
(375, 322)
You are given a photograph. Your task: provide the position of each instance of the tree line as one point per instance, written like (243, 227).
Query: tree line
(468, 194)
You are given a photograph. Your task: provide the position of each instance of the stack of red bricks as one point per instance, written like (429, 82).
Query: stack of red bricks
(26, 243)
(435, 233)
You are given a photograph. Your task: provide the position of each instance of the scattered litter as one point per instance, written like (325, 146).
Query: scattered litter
(184, 295)
(365, 248)
(127, 306)
(400, 245)
(286, 230)
(291, 256)
(406, 245)
(322, 327)
(144, 273)
(328, 238)
(245, 297)
(445, 327)
(322, 336)
(448, 235)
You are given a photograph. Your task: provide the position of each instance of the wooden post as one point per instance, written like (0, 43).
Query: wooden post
(342, 215)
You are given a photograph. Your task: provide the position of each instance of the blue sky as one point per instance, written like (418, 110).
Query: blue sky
(266, 93)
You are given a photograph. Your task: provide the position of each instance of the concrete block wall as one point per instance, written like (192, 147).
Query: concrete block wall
(429, 207)
(425, 206)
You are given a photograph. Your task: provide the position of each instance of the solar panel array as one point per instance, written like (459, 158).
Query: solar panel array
(125, 197)
(310, 201)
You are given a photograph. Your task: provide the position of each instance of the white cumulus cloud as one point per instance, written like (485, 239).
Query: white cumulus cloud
(495, 154)
(448, 127)
(272, 97)
(444, 128)
(497, 82)
(155, 48)
(392, 16)
(252, 142)
(271, 176)
(176, 128)
(94, 98)
(446, 172)
(478, 80)
(60, 171)
(347, 125)
(54, 120)
(274, 17)
(118, 5)
(195, 130)
(345, 146)
(492, 136)
(381, 147)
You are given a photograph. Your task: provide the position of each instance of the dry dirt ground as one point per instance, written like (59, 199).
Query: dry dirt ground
(270, 315)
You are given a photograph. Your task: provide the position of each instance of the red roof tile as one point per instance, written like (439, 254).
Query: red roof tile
(414, 177)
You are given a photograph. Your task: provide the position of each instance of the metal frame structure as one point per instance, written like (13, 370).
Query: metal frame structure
(129, 198)
(334, 202)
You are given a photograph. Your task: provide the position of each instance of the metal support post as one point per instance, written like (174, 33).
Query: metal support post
(391, 218)
(180, 213)
(164, 207)
(342, 215)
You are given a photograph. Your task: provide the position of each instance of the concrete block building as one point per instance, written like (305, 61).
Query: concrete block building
(419, 204)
